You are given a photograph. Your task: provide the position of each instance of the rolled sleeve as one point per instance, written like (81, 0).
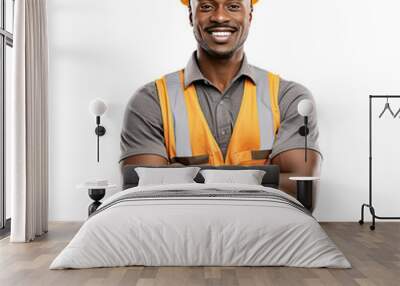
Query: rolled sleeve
(288, 137)
(142, 127)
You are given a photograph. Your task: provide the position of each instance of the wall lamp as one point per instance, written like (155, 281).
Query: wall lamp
(97, 107)
(305, 108)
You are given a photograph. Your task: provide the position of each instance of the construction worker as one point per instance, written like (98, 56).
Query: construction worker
(219, 109)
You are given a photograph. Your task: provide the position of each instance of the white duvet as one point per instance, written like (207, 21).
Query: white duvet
(200, 231)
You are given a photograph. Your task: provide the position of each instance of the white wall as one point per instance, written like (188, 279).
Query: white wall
(342, 50)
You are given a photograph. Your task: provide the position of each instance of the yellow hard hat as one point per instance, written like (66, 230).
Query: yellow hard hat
(186, 2)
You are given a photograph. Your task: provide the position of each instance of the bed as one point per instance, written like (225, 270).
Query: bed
(198, 224)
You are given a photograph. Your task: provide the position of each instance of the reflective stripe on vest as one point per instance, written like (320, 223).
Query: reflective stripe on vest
(187, 133)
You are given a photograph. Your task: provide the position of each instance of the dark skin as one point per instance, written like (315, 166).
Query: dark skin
(220, 59)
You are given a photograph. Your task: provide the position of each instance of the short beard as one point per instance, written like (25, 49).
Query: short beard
(223, 56)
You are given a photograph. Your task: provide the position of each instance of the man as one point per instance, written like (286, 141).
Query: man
(220, 109)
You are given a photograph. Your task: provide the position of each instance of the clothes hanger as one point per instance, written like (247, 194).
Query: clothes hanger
(397, 113)
(387, 107)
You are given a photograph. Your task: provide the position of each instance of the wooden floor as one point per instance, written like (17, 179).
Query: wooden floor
(375, 257)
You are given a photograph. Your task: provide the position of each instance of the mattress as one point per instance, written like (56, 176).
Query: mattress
(201, 225)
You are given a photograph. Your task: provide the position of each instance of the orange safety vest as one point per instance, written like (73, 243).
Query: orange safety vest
(188, 138)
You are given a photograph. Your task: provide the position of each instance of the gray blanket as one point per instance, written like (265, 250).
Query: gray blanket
(198, 225)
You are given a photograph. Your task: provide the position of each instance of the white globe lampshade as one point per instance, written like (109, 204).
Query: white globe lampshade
(305, 107)
(97, 107)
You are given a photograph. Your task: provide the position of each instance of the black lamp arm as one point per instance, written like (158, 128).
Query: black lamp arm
(100, 131)
(304, 131)
(305, 137)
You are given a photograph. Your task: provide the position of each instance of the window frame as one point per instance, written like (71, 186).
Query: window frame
(6, 39)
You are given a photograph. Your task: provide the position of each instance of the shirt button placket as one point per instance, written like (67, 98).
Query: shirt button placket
(224, 122)
(220, 118)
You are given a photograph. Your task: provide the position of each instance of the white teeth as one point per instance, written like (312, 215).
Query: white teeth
(221, 34)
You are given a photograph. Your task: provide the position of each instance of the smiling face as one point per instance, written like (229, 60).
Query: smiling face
(220, 26)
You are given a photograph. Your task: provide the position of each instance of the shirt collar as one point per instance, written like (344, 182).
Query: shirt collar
(193, 73)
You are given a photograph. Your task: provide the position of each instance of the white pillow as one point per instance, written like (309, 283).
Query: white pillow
(164, 176)
(248, 177)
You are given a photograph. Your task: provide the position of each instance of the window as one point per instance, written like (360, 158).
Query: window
(6, 44)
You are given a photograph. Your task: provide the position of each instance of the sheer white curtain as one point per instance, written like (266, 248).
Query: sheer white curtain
(28, 121)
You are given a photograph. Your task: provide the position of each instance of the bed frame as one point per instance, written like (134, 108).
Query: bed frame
(130, 178)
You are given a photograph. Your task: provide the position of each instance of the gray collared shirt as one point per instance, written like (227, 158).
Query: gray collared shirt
(142, 128)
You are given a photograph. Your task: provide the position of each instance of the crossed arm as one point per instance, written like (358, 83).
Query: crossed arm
(291, 163)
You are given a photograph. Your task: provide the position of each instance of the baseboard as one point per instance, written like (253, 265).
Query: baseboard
(5, 231)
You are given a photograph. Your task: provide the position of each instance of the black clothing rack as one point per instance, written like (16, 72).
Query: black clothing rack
(370, 205)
